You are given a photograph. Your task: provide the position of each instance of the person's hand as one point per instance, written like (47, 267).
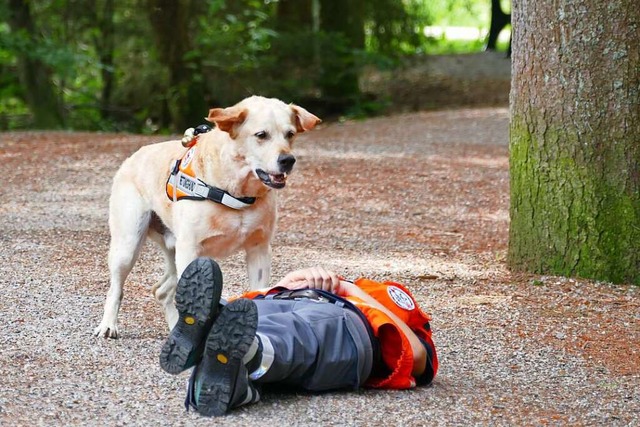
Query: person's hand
(314, 278)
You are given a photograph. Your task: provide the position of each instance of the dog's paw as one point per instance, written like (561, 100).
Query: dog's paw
(106, 330)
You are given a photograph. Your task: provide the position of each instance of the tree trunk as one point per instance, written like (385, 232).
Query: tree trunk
(34, 74)
(105, 45)
(170, 24)
(575, 139)
(294, 23)
(343, 21)
(294, 15)
(499, 20)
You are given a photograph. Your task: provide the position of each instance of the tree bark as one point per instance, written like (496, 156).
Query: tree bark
(34, 74)
(575, 139)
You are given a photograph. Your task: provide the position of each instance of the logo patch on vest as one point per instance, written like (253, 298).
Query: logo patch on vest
(400, 298)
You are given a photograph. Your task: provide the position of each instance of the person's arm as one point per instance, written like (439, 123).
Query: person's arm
(419, 352)
(319, 278)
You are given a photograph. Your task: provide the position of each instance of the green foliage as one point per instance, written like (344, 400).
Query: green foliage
(64, 47)
(394, 27)
(444, 46)
(232, 43)
(12, 109)
(461, 13)
(238, 49)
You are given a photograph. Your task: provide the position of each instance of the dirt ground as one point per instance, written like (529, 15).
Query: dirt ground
(421, 198)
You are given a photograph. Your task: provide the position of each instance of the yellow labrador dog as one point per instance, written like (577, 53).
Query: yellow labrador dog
(212, 199)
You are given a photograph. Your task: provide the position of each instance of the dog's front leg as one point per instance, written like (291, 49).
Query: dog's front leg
(258, 260)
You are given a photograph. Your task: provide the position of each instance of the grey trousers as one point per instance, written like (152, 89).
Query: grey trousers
(313, 345)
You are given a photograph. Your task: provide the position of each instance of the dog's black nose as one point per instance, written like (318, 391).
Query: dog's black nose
(286, 162)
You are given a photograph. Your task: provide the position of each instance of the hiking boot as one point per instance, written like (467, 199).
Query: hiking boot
(221, 381)
(198, 303)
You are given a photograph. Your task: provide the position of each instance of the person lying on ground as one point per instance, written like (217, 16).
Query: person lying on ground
(313, 330)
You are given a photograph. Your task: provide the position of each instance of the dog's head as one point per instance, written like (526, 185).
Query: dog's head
(264, 130)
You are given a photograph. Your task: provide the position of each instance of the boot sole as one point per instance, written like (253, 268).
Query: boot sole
(229, 340)
(197, 299)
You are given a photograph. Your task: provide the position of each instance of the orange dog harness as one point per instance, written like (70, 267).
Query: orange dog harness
(183, 184)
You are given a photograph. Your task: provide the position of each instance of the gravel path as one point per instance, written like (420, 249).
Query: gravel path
(419, 198)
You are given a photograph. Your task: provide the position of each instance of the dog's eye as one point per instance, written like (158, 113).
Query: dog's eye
(290, 134)
(261, 135)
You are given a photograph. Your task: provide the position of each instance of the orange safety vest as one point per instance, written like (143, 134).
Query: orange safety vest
(395, 347)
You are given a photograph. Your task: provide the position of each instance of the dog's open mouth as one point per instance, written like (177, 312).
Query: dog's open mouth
(272, 180)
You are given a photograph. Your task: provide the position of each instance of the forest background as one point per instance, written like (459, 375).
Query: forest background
(149, 66)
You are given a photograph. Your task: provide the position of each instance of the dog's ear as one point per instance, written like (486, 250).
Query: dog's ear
(226, 118)
(304, 120)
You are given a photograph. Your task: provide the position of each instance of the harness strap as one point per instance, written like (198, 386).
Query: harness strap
(223, 197)
(192, 188)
